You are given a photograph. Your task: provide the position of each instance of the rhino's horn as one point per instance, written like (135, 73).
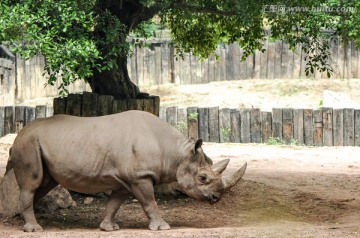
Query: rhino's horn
(220, 166)
(230, 181)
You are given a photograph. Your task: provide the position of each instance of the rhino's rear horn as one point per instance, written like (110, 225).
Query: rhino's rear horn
(230, 181)
(220, 166)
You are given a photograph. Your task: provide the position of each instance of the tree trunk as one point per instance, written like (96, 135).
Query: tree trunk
(115, 82)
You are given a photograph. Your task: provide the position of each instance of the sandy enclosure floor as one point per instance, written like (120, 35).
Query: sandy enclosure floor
(287, 191)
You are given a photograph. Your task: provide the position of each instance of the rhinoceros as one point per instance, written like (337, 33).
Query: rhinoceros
(126, 153)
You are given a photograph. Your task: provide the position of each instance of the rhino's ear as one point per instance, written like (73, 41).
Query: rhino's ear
(198, 144)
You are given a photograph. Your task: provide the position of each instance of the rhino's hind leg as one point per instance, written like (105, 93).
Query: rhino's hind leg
(144, 192)
(116, 199)
(28, 170)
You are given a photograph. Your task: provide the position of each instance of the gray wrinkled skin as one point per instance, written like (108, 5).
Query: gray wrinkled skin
(127, 153)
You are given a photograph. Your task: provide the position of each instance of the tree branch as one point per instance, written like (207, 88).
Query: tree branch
(198, 9)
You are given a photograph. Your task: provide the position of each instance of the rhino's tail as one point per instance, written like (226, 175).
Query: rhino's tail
(9, 164)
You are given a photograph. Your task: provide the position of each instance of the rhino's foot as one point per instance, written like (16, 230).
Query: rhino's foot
(109, 226)
(28, 227)
(159, 225)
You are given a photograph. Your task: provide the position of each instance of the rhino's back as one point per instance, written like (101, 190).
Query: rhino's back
(103, 150)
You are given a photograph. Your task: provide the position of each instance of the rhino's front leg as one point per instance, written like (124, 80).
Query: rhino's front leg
(116, 199)
(144, 191)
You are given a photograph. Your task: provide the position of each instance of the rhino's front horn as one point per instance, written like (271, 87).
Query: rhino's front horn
(230, 181)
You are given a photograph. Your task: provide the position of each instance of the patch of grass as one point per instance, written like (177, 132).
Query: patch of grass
(278, 141)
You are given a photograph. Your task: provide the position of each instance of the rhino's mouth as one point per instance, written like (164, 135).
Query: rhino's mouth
(212, 198)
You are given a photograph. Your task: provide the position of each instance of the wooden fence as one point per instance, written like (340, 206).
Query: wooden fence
(155, 64)
(320, 127)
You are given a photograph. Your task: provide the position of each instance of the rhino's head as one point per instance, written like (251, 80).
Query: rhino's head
(199, 178)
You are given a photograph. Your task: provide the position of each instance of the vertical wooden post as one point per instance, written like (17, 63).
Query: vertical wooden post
(60, 105)
(318, 127)
(235, 125)
(29, 115)
(105, 105)
(308, 127)
(277, 123)
(193, 123)
(245, 130)
(338, 127)
(162, 113)
(182, 123)
(119, 106)
(89, 104)
(299, 125)
(73, 104)
(2, 121)
(224, 125)
(19, 118)
(40, 111)
(356, 127)
(171, 116)
(214, 135)
(287, 125)
(204, 123)
(349, 127)
(328, 127)
(266, 122)
(255, 125)
(9, 122)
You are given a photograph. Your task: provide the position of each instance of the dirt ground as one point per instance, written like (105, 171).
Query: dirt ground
(287, 191)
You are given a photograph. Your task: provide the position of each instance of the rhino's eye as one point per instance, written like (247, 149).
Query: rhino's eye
(203, 179)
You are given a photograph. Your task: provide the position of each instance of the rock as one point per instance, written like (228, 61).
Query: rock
(9, 195)
(88, 200)
(58, 198)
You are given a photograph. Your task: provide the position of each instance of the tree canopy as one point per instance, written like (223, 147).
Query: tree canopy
(86, 39)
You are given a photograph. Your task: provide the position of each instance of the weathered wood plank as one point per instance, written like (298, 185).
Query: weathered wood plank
(298, 115)
(214, 135)
(40, 111)
(59, 105)
(19, 118)
(263, 62)
(338, 127)
(29, 115)
(9, 120)
(356, 127)
(117, 107)
(270, 60)
(245, 130)
(349, 127)
(193, 123)
(156, 106)
(287, 125)
(182, 124)
(308, 127)
(162, 113)
(89, 104)
(235, 124)
(2, 121)
(277, 123)
(266, 122)
(224, 125)
(318, 127)
(255, 125)
(73, 104)
(171, 116)
(203, 123)
(278, 52)
(105, 105)
(328, 127)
